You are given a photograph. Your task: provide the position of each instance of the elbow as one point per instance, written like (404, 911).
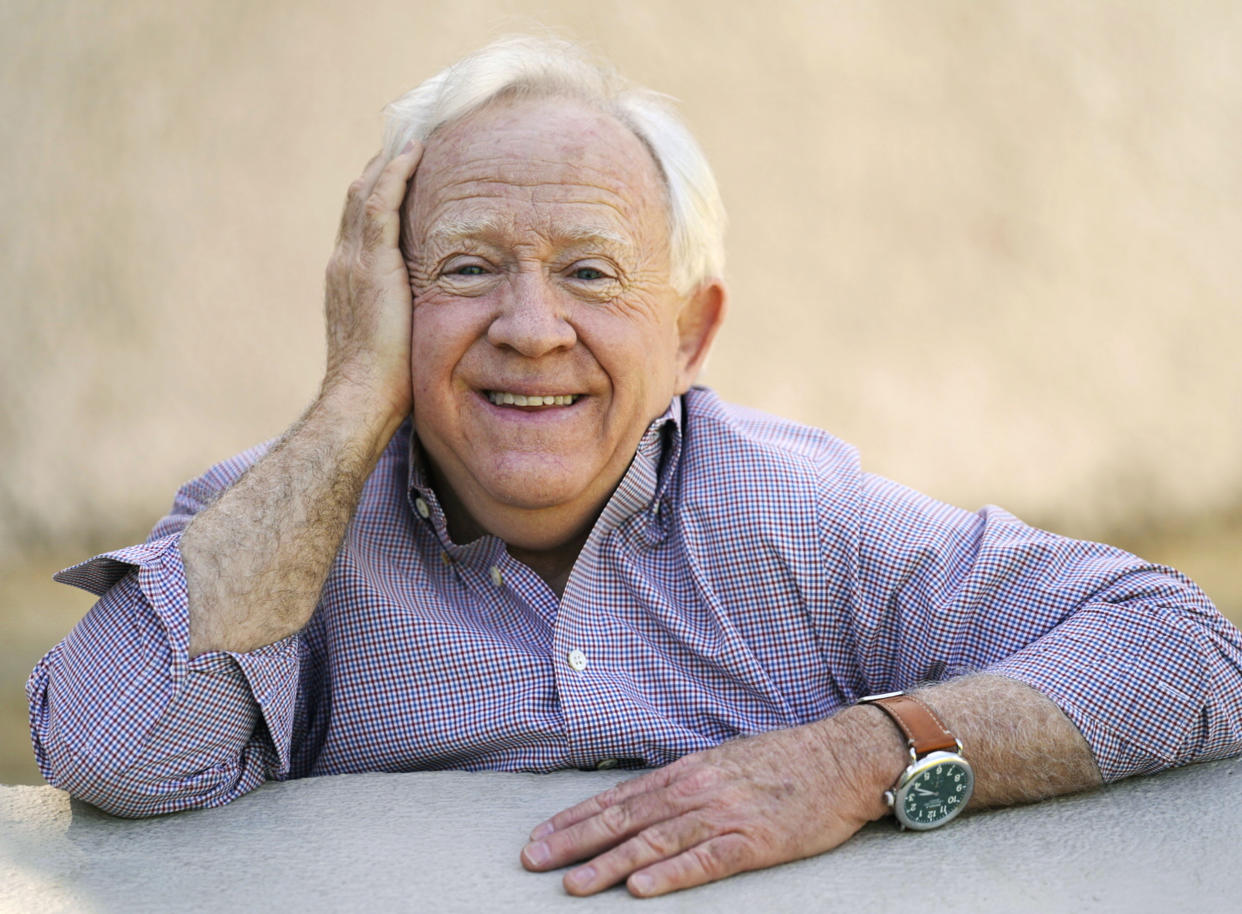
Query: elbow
(143, 786)
(145, 789)
(143, 756)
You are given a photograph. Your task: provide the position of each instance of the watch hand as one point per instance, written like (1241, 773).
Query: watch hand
(926, 793)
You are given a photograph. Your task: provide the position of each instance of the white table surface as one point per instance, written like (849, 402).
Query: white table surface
(449, 841)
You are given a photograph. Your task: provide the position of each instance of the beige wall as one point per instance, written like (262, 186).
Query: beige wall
(994, 244)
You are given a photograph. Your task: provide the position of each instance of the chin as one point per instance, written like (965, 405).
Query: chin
(526, 498)
(536, 482)
(535, 521)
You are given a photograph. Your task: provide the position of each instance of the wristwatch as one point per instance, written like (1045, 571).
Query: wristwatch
(937, 783)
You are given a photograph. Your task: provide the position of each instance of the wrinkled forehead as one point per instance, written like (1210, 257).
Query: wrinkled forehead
(556, 158)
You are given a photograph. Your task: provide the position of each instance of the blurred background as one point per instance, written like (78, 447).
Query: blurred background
(994, 245)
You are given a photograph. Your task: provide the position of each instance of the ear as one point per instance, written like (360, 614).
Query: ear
(701, 316)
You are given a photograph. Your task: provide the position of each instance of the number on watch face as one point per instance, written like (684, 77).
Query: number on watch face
(936, 793)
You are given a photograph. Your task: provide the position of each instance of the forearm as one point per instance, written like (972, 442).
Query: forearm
(791, 793)
(256, 559)
(1021, 746)
(1134, 653)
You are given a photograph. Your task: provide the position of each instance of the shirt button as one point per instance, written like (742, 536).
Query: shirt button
(605, 764)
(578, 660)
(498, 578)
(421, 507)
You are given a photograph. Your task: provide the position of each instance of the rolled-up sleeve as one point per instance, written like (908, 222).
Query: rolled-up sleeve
(1148, 672)
(122, 717)
(1134, 653)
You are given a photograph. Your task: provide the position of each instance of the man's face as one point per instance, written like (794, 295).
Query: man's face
(538, 253)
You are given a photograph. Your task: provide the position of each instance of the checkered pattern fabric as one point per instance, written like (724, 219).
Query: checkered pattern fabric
(746, 575)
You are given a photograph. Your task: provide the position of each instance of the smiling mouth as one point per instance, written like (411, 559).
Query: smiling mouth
(505, 398)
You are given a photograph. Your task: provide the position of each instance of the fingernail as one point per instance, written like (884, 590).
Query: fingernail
(581, 877)
(542, 831)
(641, 884)
(538, 853)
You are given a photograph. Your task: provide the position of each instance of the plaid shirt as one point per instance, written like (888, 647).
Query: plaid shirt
(744, 576)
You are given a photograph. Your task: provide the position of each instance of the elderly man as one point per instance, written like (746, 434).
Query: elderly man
(510, 533)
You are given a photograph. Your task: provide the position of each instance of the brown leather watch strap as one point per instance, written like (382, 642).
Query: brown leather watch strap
(917, 721)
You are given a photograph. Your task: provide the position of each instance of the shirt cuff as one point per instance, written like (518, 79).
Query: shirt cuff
(271, 672)
(1096, 666)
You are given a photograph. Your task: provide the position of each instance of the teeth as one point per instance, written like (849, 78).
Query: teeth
(504, 398)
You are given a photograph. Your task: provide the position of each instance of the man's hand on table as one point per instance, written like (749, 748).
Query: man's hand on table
(794, 793)
(744, 805)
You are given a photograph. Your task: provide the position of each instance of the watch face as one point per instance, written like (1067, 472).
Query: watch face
(934, 790)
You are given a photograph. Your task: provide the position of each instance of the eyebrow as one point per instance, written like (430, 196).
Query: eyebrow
(492, 230)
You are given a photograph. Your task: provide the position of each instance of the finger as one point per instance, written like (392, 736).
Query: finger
(357, 194)
(713, 859)
(393, 180)
(593, 835)
(652, 780)
(651, 845)
(620, 814)
(382, 212)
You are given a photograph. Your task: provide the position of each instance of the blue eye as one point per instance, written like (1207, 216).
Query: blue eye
(470, 269)
(587, 273)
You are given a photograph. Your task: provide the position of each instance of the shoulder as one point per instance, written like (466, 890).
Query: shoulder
(775, 498)
(738, 439)
(749, 474)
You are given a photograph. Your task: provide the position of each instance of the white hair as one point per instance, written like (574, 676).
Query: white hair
(540, 67)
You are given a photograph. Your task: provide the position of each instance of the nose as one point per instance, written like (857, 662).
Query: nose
(529, 318)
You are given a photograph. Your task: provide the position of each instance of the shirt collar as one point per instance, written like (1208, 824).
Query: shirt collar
(642, 487)
(661, 444)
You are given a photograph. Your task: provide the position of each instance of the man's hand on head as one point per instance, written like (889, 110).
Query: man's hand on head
(744, 805)
(256, 559)
(367, 299)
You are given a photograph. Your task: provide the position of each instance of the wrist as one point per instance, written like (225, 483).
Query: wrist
(938, 782)
(357, 413)
(871, 754)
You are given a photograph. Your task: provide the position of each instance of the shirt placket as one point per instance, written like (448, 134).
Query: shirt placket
(585, 667)
(590, 654)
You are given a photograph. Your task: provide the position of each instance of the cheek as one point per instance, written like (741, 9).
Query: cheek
(662, 366)
(441, 333)
(639, 356)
